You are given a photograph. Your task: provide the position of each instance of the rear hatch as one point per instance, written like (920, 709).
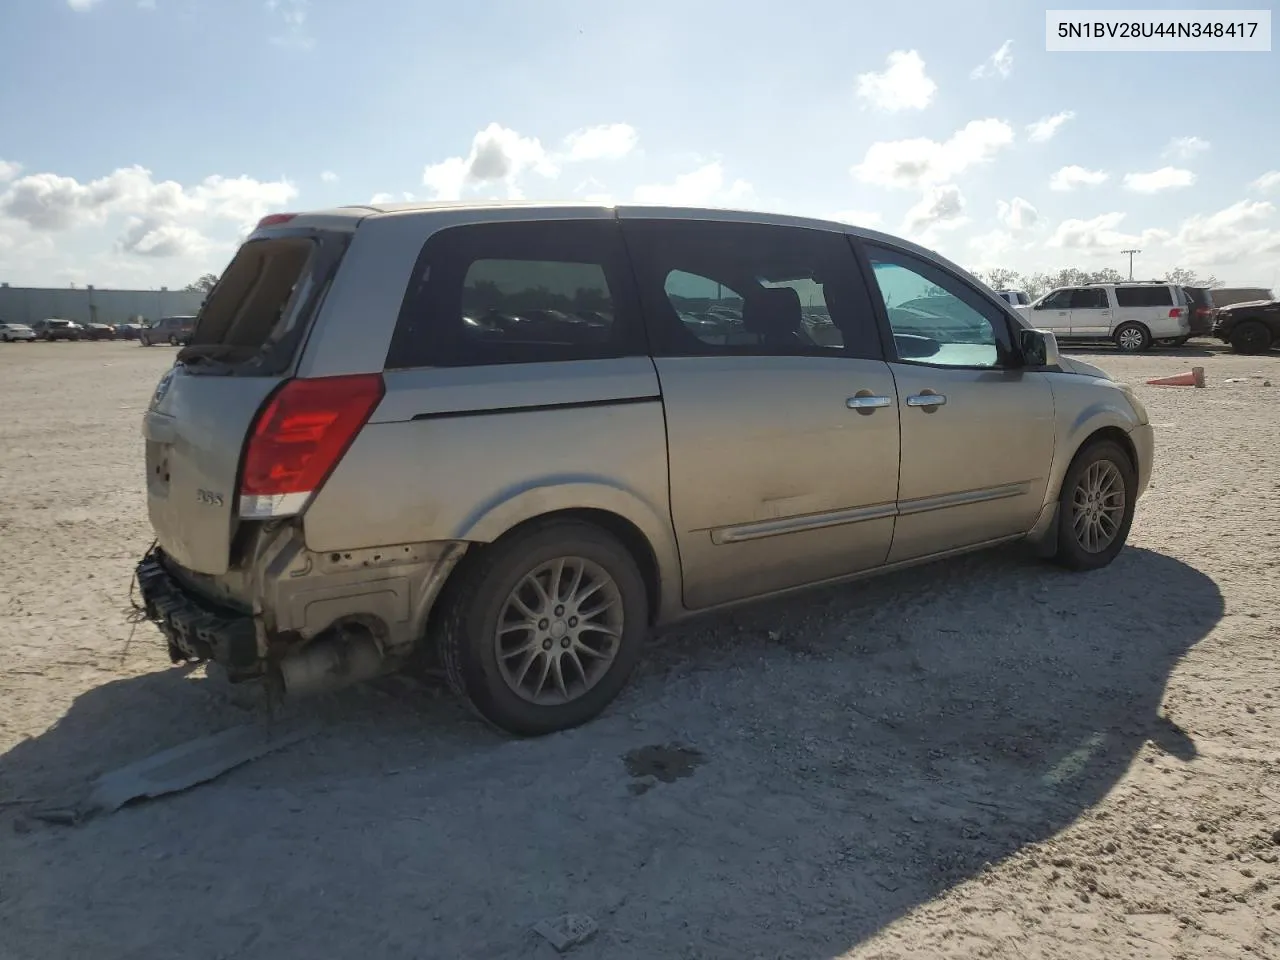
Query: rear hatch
(246, 342)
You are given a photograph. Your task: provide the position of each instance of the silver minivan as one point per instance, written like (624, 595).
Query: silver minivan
(518, 437)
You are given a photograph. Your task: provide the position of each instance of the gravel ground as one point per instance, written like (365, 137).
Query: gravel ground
(982, 758)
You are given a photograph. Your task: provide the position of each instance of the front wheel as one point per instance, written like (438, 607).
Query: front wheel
(1095, 508)
(540, 632)
(1250, 337)
(1132, 337)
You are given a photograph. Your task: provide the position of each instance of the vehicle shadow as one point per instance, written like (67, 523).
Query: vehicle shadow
(786, 780)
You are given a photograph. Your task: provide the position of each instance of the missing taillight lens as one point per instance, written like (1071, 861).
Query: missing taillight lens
(301, 434)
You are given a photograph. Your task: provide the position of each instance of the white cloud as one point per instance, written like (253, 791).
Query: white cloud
(498, 156)
(1166, 178)
(1236, 234)
(1102, 234)
(1184, 148)
(608, 141)
(987, 247)
(1068, 178)
(920, 162)
(941, 208)
(999, 64)
(162, 219)
(1044, 128)
(1267, 182)
(293, 16)
(151, 237)
(902, 86)
(9, 170)
(328, 176)
(858, 218)
(82, 5)
(700, 187)
(1017, 214)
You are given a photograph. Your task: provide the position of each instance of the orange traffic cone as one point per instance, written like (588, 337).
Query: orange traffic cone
(1192, 378)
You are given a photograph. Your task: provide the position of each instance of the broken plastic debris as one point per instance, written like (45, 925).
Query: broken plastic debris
(187, 765)
(567, 931)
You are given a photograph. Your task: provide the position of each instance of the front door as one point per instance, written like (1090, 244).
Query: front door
(782, 419)
(977, 431)
(1091, 313)
(1053, 313)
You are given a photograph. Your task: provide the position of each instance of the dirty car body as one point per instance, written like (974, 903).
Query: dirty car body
(509, 434)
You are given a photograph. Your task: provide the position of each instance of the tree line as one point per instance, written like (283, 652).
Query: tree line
(1036, 284)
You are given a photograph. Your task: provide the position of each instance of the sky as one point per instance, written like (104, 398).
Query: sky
(141, 139)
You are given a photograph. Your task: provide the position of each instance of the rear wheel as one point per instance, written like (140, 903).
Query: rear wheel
(173, 339)
(541, 632)
(1251, 337)
(1132, 337)
(1095, 508)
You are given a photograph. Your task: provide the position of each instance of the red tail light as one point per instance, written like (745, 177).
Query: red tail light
(1175, 313)
(275, 219)
(299, 437)
(1202, 311)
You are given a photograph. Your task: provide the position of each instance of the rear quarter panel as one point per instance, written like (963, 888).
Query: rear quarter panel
(470, 453)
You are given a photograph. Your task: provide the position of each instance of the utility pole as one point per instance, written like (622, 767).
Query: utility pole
(1130, 253)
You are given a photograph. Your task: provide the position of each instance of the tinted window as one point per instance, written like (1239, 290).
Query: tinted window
(935, 317)
(750, 289)
(1058, 300)
(1154, 296)
(521, 292)
(1089, 298)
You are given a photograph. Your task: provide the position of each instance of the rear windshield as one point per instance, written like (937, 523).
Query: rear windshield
(257, 312)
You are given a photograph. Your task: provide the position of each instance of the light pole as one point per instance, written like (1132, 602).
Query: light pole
(1130, 253)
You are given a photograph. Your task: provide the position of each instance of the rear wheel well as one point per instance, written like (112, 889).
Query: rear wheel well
(619, 527)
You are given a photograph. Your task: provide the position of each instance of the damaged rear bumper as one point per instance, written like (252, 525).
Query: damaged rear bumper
(280, 597)
(195, 628)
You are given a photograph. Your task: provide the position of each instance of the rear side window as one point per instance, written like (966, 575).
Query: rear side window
(523, 292)
(750, 289)
(1155, 296)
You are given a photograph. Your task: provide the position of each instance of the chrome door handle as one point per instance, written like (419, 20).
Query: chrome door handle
(868, 403)
(926, 400)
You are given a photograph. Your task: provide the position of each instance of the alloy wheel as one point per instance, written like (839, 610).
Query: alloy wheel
(559, 631)
(1097, 506)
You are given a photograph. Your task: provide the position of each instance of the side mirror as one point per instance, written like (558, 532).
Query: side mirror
(1039, 348)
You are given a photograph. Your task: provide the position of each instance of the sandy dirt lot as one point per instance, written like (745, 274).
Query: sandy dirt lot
(984, 758)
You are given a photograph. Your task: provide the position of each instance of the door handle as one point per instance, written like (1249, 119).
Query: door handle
(868, 402)
(926, 400)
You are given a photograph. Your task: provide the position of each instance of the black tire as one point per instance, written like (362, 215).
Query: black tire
(474, 598)
(1251, 336)
(1071, 553)
(1126, 341)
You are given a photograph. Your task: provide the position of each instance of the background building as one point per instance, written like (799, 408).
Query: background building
(88, 305)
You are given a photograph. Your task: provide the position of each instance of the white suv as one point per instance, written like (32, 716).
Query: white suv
(1132, 315)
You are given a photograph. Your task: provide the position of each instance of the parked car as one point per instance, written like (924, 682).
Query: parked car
(1250, 327)
(128, 331)
(1202, 310)
(1015, 298)
(1230, 296)
(55, 329)
(174, 331)
(97, 331)
(15, 331)
(1131, 315)
(341, 468)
